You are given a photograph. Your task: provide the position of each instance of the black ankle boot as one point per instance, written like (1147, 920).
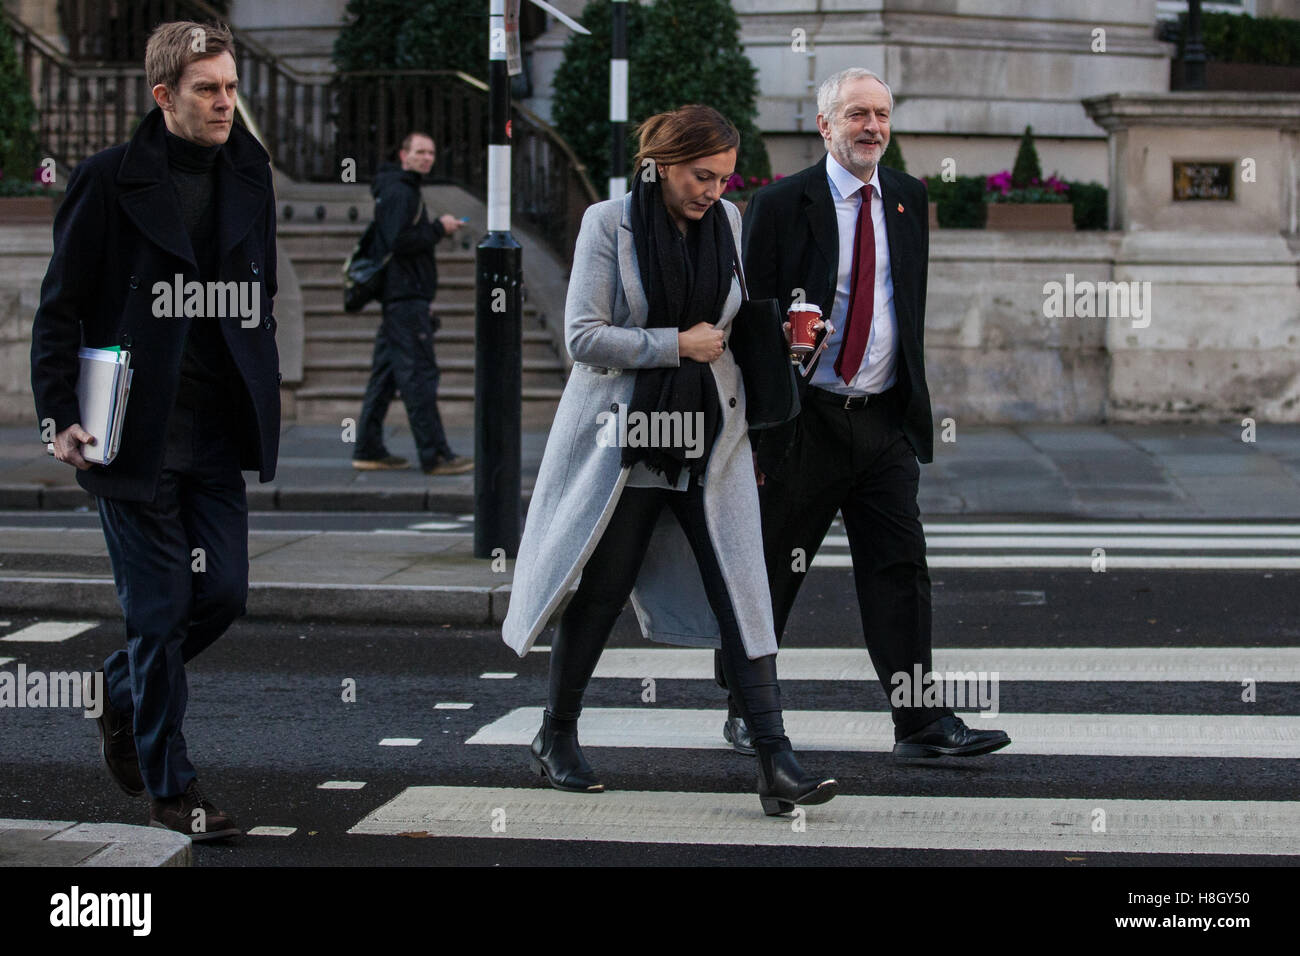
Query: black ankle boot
(557, 757)
(783, 784)
(735, 731)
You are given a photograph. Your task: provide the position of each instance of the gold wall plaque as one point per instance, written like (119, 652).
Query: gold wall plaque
(1202, 180)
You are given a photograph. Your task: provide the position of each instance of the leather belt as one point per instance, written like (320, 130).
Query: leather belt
(849, 402)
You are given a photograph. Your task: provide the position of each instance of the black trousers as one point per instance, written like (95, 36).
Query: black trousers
(607, 580)
(404, 361)
(859, 463)
(180, 563)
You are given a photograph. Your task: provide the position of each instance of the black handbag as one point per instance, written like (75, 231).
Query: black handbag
(760, 349)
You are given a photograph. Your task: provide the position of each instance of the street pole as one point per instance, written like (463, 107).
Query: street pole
(498, 321)
(618, 101)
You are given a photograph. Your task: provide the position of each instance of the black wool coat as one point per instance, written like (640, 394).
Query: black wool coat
(791, 241)
(117, 233)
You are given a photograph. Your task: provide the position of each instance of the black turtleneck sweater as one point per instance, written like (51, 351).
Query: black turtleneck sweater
(207, 370)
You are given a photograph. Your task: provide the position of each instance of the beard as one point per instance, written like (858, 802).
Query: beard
(850, 159)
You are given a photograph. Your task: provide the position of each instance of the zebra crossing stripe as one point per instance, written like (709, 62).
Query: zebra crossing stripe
(1114, 562)
(1106, 527)
(935, 823)
(1086, 542)
(1097, 735)
(1233, 664)
(48, 632)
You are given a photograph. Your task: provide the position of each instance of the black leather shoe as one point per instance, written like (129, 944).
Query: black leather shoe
(783, 784)
(736, 733)
(557, 757)
(117, 743)
(950, 737)
(192, 814)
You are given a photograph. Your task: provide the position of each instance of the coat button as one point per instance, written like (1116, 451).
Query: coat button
(732, 403)
(253, 267)
(268, 323)
(614, 407)
(126, 341)
(279, 377)
(135, 282)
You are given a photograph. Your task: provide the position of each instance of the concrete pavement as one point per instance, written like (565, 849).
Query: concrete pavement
(63, 843)
(1084, 471)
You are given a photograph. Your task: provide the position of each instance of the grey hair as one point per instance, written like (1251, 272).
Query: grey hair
(828, 94)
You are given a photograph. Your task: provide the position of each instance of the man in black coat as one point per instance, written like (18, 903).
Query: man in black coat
(404, 358)
(852, 238)
(165, 247)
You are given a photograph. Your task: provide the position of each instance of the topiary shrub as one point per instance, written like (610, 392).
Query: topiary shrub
(679, 52)
(1027, 170)
(960, 202)
(1090, 205)
(892, 158)
(19, 158)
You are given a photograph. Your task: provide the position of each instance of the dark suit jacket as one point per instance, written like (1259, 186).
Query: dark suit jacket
(791, 241)
(118, 232)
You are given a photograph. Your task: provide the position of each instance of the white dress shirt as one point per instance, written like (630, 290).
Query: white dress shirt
(877, 371)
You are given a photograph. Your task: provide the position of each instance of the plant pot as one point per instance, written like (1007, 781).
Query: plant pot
(1031, 216)
(26, 210)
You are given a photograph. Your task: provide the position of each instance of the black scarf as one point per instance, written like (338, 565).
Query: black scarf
(684, 286)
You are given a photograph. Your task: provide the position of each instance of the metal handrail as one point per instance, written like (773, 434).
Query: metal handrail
(308, 123)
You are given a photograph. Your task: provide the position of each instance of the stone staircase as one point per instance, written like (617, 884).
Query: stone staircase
(337, 345)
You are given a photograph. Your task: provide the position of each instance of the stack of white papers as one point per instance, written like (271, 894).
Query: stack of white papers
(102, 390)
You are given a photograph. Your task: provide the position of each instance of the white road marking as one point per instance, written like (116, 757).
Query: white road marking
(1233, 664)
(451, 705)
(939, 823)
(341, 785)
(272, 831)
(1148, 562)
(1107, 527)
(49, 632)
(1098, 735)
(1086, 542)
(497, 675)
(404, 741)
(437, 526)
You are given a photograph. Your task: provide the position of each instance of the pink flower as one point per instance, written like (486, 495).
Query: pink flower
(765, 182)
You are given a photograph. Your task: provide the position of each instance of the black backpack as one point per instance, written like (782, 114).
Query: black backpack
(363, 274)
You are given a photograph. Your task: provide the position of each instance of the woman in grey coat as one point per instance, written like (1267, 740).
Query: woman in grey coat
(647, 486)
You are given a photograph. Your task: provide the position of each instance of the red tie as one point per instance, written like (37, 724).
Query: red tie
(862, 292)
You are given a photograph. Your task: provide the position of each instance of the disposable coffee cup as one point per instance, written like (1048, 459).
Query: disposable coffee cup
(803, 318)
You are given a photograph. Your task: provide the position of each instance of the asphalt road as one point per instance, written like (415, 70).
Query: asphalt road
(267, 726)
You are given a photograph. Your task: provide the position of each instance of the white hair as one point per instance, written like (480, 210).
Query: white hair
(828, 94)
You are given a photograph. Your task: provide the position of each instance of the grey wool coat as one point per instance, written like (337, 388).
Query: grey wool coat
(580, 482)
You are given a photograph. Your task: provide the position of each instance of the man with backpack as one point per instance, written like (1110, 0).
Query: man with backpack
(403, 357)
